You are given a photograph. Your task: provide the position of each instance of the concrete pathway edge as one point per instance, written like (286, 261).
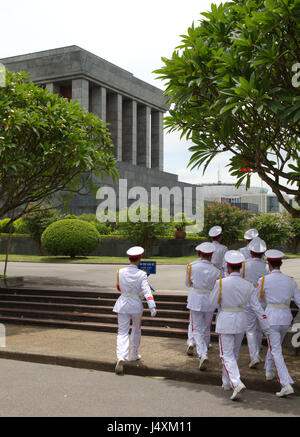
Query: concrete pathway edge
(201, 377)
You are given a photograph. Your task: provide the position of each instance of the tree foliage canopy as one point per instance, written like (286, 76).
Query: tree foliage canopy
(233, 86)
(47, 144)
(141, 229)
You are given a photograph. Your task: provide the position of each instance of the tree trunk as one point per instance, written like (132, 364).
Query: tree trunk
(8, 242)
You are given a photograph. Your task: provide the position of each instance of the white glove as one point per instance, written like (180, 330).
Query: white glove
(153, 312)
(266, 332)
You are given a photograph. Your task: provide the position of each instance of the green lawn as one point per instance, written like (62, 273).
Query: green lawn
(93, 259)
(104, 259)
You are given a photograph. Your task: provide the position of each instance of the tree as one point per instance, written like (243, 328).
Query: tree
(144, 232)
(232, 220)
(295, 228)
(233, 86)
(37, 221)
(47, 144)
(275, 228)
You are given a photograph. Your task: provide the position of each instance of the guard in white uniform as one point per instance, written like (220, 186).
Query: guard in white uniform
(248, 236)
(233, 296)
(252, 269)
(133, 285)
(276, 290)
(201, 276)
(218, 256)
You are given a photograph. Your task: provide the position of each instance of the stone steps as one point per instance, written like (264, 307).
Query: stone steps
(92, 311)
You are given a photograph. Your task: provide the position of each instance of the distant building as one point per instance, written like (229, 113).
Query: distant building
(254, 199)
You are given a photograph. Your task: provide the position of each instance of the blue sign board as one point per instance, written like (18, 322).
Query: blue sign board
(148, 266)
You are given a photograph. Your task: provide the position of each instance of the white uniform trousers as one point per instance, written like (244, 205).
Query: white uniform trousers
(254, 340)
(123, 335)
(274, 360)
(229, 345)
(190, 340)
(200, 322)
(254, 336)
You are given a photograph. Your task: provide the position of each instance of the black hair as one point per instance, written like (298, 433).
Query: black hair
(275, 264)
(206, 255)
(256, 255)
(133, 259)
(235, 267)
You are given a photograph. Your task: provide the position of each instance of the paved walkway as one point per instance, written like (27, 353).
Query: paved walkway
(162, 357)
(103, 276)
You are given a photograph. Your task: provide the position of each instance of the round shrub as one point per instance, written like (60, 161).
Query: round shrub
(71, 237)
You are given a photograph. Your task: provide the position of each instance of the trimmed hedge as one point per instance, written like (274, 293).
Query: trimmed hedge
(71, 237)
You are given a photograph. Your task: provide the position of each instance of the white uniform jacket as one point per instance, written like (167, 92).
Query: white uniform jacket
(276, 291)
(253, 269)
(132, 282)
(218, 256)
(236, 297)
(201, 276)
(245, 251)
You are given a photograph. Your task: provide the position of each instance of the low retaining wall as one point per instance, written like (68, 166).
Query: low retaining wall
(116, 246)
(19, 245)
(107, 247)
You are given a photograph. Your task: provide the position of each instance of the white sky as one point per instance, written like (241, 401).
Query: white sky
(133, 34)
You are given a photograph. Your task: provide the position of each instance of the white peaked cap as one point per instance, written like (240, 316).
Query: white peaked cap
(135, 251)
(250, 234)
(215, 231)
(257, 245)
(205, 248)
(234, 257)
(274, 255)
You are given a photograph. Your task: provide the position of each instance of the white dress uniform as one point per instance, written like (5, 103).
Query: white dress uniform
(249, 236)
(201, 276)
(246, 251)
(276, 291)
(133, 285)
(233, 296)
(220, 250)
(252, 269)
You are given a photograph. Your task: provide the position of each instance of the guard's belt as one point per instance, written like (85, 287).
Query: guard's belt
(134, 296)
(201, 290)
(278, 305)
(234, 309)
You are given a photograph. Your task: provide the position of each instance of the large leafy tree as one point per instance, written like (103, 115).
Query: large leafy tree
(233, 85)
(47, 145)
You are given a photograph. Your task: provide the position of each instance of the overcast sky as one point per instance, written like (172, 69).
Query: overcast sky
(133, 34)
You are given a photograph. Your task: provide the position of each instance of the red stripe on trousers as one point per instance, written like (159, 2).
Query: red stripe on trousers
(224, 362)
(192, 321)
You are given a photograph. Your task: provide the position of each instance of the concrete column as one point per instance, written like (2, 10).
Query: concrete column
(130, 131)
(99, 102)
(52, 87)
(80, 92)
(114, 118)
(157, 140)
(143, 136)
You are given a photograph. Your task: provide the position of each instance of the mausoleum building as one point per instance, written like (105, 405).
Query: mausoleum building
(133, 108)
